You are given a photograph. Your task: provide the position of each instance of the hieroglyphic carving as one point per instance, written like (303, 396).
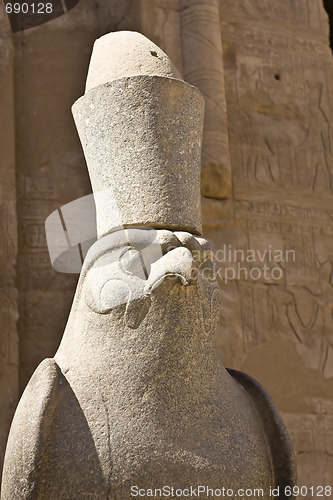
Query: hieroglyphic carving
(39, 195)
(312, 437)
(308, 293)
(304, 13)
(278, 83)
(284, 101)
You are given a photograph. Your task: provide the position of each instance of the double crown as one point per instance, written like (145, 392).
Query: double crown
(140, 126)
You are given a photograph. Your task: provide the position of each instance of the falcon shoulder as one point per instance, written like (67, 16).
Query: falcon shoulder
(277, 437)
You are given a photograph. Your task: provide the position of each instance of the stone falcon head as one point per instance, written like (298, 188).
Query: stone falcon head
(127, 266)
(141, 127)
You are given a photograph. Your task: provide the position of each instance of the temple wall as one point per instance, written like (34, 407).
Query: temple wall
(9, 359)
(265, 69)
(278, 81)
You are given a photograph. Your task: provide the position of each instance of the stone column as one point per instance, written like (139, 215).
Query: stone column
(202, 66)
(190, 33)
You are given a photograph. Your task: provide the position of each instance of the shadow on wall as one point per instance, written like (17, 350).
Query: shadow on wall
(328, 5)
(23, 15)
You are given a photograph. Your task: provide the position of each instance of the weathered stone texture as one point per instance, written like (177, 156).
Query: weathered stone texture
(190, 34)
(278, 80)
(136, 393)
(312, 436)
(48, 154)
(8, 240)
(278, 83)
(152, 189)
(50, 64)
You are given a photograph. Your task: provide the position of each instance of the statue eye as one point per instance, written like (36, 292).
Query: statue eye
(114, 293)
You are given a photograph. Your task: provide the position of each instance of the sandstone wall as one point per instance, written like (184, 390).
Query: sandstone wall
(278, 80)
(9, 359)
(265, 69)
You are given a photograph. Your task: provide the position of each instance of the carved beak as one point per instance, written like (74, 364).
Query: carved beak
(176, 264)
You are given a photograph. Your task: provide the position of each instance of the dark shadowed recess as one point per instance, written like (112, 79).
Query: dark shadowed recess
(328, 4)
